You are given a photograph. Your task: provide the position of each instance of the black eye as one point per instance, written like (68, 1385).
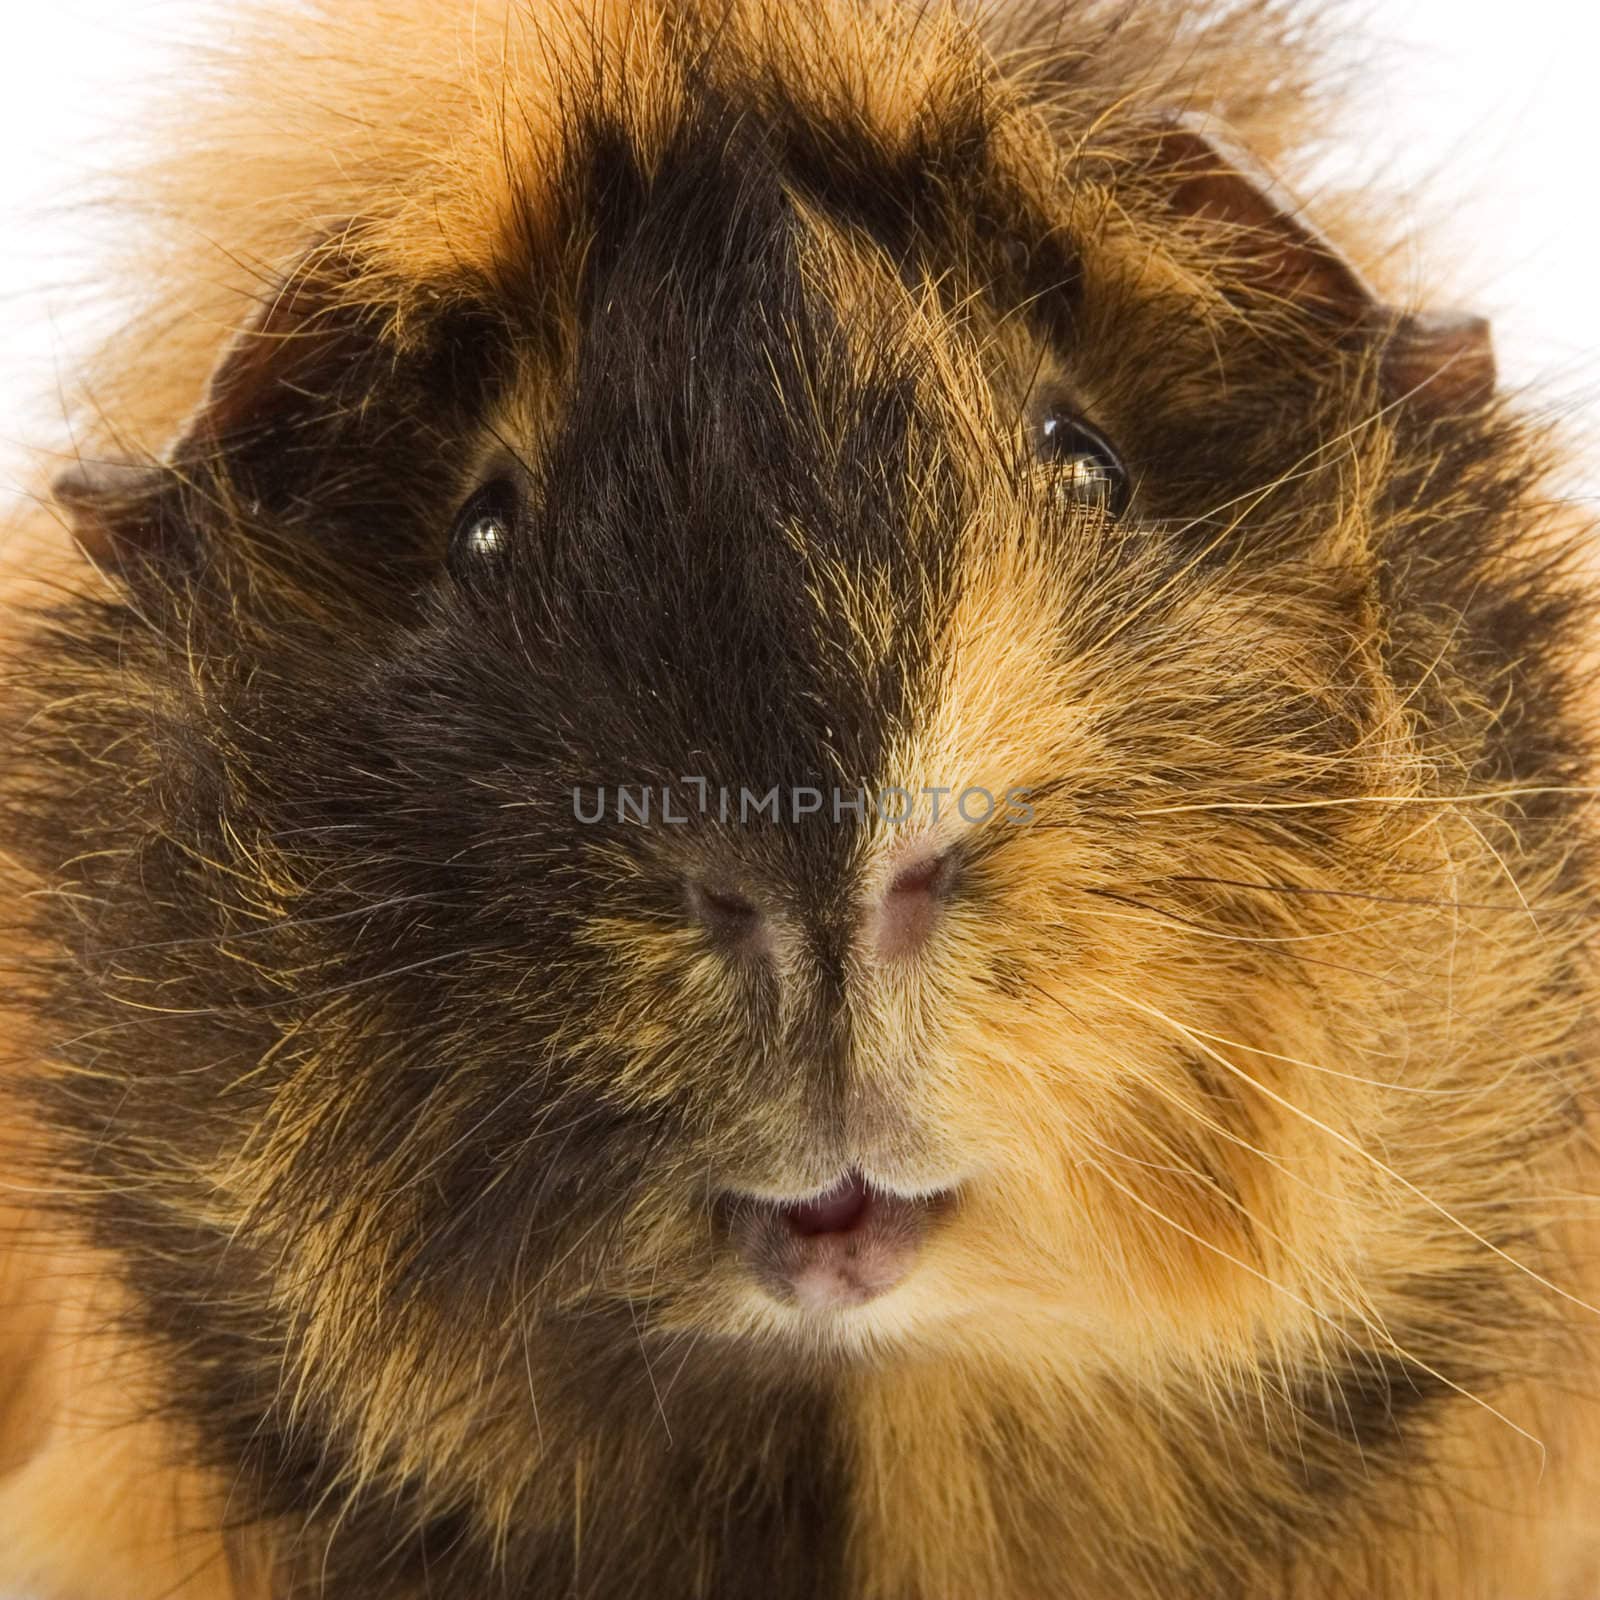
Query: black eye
(484, 527)
(1088, 471)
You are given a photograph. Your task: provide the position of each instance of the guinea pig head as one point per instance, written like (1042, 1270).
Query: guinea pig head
(798, 741)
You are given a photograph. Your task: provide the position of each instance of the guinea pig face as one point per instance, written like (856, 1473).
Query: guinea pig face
(778, 741)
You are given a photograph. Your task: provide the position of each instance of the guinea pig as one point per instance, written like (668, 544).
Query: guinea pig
(792, 809)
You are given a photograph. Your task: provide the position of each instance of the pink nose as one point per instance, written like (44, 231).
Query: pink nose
(911, 906)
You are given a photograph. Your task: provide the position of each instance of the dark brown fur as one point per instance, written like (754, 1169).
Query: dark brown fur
(376, 1118)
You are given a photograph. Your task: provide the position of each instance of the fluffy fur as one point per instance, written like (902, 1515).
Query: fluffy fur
(371, 1112)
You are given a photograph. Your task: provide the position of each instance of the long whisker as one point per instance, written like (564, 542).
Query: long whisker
(1340, 894)
(1321, 1316)
(1343, 1139)
(1330, 801)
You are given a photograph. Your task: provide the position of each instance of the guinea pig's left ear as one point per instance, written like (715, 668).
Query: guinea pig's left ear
(1441, 362)
(1211, 179)
(1435, 363)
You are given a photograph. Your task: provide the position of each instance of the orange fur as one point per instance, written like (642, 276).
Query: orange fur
(1224, 1064)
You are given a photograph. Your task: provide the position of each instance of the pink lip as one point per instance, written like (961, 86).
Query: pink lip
(841, 1248)
(838, 1211)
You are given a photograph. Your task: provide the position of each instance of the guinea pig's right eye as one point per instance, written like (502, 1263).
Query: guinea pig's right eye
(484, 527)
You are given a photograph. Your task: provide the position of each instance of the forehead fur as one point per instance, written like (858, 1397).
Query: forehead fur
(448, 145)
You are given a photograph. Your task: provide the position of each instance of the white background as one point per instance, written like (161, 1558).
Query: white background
(1486, 109)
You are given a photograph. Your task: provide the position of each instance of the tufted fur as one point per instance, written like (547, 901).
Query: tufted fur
(369, 1111)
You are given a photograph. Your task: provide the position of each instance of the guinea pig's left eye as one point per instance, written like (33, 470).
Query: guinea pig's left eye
(484, 526)
(1088, 470)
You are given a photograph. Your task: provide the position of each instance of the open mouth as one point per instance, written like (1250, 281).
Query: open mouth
(841, 1248)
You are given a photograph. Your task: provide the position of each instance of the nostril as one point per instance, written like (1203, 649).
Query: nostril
(923, 877)
(723, 910)
(911, 904)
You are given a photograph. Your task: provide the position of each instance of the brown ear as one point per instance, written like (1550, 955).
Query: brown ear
(1214, 180)
(293, 366)
(114, 510)
(1434, 363)
(1440, 362)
